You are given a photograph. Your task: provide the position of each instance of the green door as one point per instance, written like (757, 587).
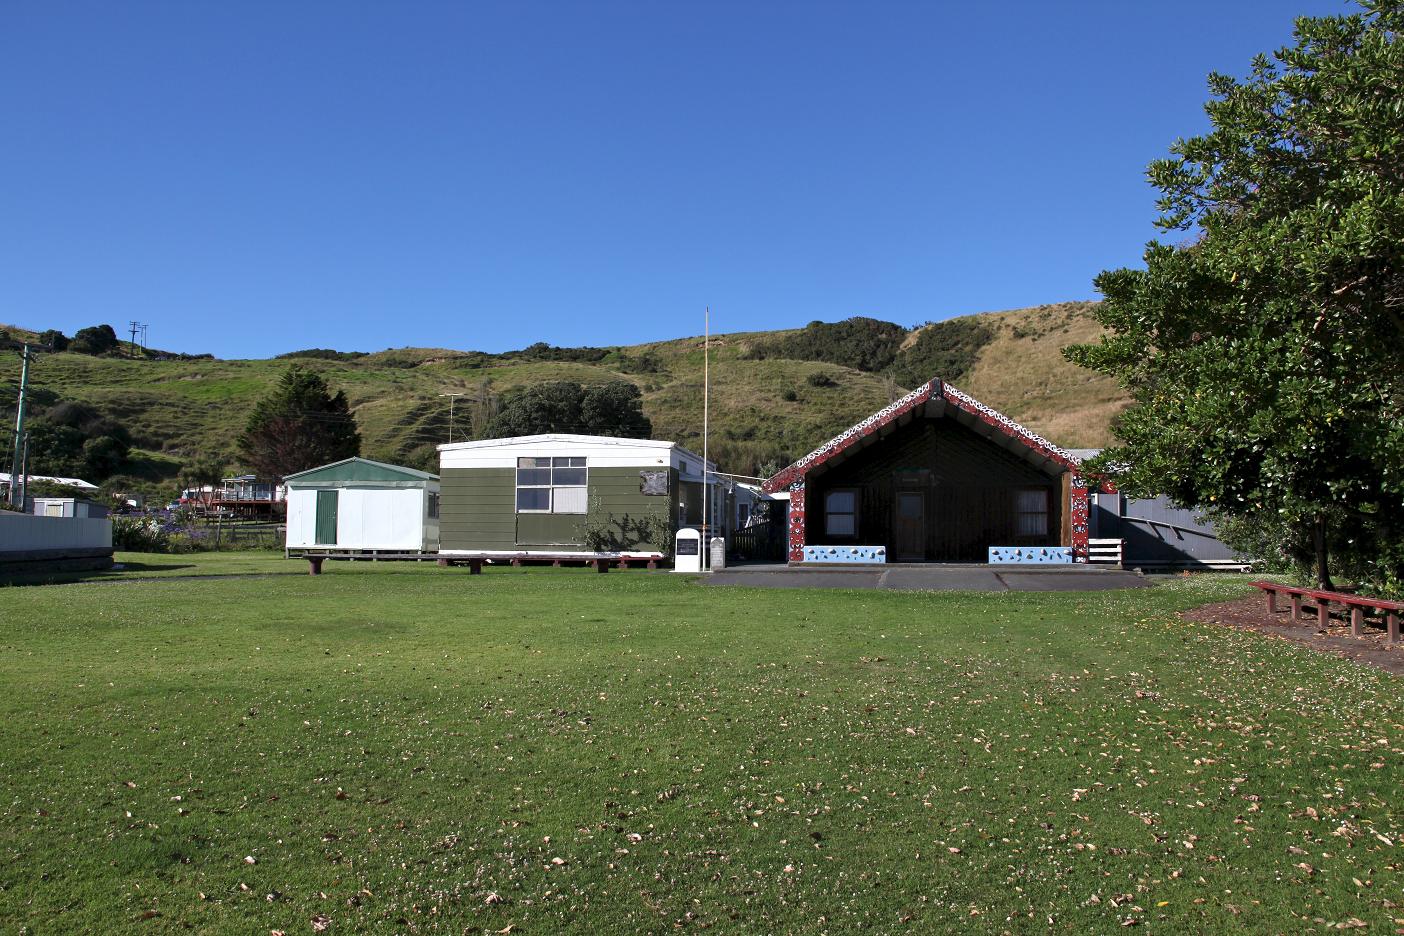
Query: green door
(326, 518)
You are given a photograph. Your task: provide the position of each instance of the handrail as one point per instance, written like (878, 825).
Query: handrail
(1173, 526)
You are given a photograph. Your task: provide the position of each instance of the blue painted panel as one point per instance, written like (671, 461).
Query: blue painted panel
(862, 554)
(1020, 555)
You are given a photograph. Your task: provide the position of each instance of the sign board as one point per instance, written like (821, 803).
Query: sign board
(653, 483)
(687, 551)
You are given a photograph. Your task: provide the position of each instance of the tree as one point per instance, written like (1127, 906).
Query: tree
(96, 339)
(54, 340)
(300, 425)
(611, 409)
(1262, 356)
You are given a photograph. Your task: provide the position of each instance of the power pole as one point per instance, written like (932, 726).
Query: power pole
(453, 397)
(17, 462)
(24, 473)
(143, 336)
(135, 326)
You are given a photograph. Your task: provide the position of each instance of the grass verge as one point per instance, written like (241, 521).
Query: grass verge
(404, 748)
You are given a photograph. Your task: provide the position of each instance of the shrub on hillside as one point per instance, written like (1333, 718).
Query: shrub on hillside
(946, 349)
(96, 339)
(324, 354)
(862, 343)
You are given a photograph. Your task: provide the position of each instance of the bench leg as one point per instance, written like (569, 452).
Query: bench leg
(1272, 602)
(314, 566)
(475, 567)
(443, 563)
(1323, 613)
(555, 563)
(1357, 621)
(516, 562)
(652, 564)
(1392, 627)
(623, 563)
(601, 565)
(1296, 608)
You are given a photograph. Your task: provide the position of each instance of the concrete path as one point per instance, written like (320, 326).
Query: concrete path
(933, 577)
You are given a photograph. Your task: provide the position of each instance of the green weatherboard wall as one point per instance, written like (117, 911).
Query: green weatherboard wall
(478, 509)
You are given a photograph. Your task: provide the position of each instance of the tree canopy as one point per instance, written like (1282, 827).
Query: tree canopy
(1263, 353)
(610, 409)
(300, 425)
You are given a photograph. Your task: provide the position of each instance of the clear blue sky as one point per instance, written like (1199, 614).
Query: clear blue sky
(251, 178)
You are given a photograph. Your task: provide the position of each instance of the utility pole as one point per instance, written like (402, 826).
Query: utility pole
(17, 462)
(453, 397)
(143, 336)
(135, 327)
(24, 473)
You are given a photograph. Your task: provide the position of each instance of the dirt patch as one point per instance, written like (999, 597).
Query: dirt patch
(1251, 613)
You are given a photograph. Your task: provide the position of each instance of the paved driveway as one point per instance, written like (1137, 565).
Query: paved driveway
(971, 577)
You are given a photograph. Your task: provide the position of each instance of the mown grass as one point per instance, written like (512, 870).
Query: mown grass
(405, 748)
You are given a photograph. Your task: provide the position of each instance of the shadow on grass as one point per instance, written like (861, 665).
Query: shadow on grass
(69, 577)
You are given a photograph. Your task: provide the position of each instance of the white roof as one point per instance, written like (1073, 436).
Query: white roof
(564, 438)
(601, 450)
(70, 482)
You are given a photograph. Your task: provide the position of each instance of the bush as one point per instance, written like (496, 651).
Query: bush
(789, 396)
(864, 344)
(54, 340)
(149, 535)
(946, 349)
(821, 379)
(96, 339)
(324, 354)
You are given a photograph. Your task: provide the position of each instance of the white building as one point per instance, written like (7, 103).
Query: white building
(359, 505)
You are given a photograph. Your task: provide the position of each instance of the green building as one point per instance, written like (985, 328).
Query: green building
(572, 497)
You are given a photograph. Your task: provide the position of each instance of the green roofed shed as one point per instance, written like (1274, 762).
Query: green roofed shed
(360, 505)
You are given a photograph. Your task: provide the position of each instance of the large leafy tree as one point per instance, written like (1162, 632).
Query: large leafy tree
(300, 425)
(611, 409)
(1263, 353)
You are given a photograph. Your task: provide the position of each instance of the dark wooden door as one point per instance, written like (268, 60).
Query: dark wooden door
(909, 526)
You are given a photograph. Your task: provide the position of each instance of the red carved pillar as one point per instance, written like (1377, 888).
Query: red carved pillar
(1078, 512)
(797, 521)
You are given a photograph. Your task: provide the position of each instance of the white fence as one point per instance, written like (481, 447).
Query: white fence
(26, 533)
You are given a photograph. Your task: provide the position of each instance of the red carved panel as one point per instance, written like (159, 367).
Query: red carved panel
(797, 521)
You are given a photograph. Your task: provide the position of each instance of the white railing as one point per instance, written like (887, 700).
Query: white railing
(1107, 551)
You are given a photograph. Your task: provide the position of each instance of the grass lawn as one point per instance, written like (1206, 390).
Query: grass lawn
(398, 747)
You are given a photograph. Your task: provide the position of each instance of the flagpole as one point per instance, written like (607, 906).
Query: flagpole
(706, 414)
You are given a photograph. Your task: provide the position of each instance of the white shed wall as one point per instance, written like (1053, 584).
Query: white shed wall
(302, 518)
(366, 518)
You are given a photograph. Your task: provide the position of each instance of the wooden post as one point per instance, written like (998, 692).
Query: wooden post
(652, 564)
(1357, 620)
(1392, 626)
(516, 562)
(1323, 613)
(314, 565)
(555, 563)
(623, 563)
(443, 563)
(1272, 601)
(601, 565)
(1296, 607)
(475, 567)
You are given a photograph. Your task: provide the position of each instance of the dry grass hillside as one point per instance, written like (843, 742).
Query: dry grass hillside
(767, 408)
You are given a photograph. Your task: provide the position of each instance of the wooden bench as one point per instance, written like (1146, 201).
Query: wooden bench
(1357, 605)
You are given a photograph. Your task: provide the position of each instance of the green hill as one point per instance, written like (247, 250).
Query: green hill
(767, 408)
